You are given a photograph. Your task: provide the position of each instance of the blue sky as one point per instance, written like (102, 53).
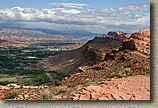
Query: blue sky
(92, 3)
(136, 11)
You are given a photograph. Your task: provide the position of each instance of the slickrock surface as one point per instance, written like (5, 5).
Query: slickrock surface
(142, 40)
(131, 88)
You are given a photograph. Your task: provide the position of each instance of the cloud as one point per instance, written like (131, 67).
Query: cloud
(57, 5)
(70, 5)
(29, 10)
(125, 10)
(136, 7)
(100, 21)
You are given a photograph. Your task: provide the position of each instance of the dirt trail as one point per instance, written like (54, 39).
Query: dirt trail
(50, 76)
(131, 88)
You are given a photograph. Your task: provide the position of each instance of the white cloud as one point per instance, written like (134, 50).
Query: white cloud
(57, 5)
(138, 7)
(101, 20)
(125, 10)
(70, 5)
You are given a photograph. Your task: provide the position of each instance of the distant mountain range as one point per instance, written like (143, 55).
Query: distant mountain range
(47, 33)
(76, 34)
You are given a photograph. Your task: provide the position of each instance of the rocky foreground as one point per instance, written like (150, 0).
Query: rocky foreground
(131, 88)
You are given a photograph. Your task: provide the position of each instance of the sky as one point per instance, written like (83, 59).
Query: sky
(97, 16)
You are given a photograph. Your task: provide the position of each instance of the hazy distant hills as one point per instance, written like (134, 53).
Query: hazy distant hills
(76, 34)
(45, 33)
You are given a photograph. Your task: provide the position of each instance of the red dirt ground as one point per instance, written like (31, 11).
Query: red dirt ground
(131, 88)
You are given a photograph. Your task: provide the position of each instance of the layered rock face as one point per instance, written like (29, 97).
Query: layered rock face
(134, 41)
(117, 35)
(95, 51)
(129, 44)
(143, 35)
(142, 40)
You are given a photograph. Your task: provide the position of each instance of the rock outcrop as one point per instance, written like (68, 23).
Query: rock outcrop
(139, 40)
(118, 35)
(131, 88)
(129, 44)
(95, 50)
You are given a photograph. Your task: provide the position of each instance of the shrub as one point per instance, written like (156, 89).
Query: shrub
(45, 95)
(125, 76)
(120, 75)
(108, 79)
(142, 73)
(74, 84)
(59, 90)
(57, 82)
(67, 98)
(128, 71)
(100, 79)
(112, 75)
(11, 95)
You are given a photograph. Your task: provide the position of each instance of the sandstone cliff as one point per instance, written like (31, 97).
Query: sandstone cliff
(95, 50)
